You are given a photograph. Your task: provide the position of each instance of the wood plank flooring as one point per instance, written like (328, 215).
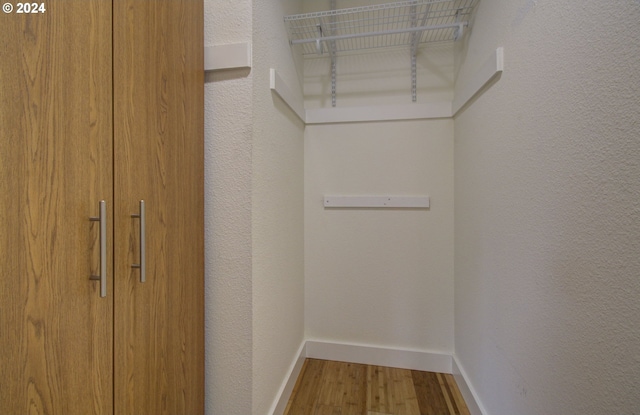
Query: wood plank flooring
(337, 388)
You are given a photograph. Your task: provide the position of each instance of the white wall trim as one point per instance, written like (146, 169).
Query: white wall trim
(371, 355)
(468, 392)
(229, 56)
(378, 113)
(490, 72)
(463, 94)
(280, 403)
(294, 102)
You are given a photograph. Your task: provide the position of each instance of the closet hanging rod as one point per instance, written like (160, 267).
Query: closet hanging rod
(459, 25)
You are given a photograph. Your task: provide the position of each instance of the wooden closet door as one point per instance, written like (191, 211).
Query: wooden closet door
(159, 324)
(56, 333)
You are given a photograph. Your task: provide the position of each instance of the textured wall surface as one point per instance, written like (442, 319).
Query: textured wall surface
(254, 213)
(547, 217)
(278, 209)
(228, 134)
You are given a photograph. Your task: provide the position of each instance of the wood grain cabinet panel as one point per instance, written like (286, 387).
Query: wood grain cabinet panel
(102, 100)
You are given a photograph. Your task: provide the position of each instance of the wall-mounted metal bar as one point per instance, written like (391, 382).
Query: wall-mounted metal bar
(415, 37)
(460, 30)
(414, 52)
(332, 51)
(414, 78)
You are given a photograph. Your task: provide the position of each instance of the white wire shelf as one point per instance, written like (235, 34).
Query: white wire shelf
(402, 23)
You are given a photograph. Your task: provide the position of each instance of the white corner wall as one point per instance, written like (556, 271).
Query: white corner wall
(254, 214)
(228, 182)
(254, 217)
(277, 209)
(547, 214)
(381, 278)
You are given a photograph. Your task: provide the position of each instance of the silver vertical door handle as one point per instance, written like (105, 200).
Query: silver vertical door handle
(103, 248)
(143, 262)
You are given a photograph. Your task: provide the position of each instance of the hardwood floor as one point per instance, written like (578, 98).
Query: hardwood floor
(337, 388)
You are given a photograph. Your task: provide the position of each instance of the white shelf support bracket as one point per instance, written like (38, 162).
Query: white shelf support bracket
(332, 50)
(460, 30)
(415, 39)
(414, 52)
(414, 78)
(333, 81)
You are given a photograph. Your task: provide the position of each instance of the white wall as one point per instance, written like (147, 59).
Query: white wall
(379, 277)
(277, 209)
(228, 182)
(254, 213)
(547, 229)
(547, 216)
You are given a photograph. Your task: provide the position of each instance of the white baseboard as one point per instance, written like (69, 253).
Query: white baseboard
(287, 387)
(467, 391)
(370, 355)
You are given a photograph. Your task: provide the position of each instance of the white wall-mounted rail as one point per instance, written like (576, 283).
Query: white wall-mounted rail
(378, 113)
(421, 202)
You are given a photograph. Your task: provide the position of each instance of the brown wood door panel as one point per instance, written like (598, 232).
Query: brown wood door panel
(55, 166)
(158, 67)
(57, 146)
